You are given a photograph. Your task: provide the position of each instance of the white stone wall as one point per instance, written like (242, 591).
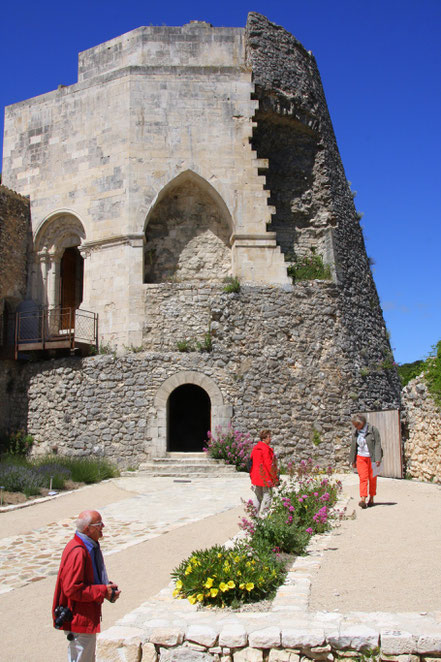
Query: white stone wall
(152, 110)
(422, 448)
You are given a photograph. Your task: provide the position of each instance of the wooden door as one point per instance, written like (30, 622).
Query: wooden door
(389, 427)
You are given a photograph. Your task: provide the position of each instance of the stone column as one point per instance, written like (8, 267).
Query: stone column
(53, 280)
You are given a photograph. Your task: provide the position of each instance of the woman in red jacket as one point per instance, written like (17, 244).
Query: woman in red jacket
(263, 473)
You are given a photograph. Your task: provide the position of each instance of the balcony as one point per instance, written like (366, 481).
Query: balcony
(43, 329)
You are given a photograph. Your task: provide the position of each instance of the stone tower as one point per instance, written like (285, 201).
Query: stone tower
(185, 155)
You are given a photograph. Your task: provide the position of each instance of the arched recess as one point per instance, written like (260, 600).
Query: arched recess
(188, 233)
(58, 270)
(221, 413)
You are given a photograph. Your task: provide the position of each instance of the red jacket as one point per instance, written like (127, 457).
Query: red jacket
(264, 468)
(76, 590)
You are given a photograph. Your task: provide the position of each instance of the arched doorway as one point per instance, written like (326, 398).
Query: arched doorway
(188, 419)
(71, 278)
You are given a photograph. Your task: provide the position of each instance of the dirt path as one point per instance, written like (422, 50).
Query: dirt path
(388, 558)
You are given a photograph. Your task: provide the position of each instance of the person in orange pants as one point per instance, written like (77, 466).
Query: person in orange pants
(365, 450)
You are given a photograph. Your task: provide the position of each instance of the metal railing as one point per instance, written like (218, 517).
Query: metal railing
(52, 328)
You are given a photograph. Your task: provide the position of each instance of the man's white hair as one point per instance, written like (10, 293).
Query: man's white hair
(84, 521)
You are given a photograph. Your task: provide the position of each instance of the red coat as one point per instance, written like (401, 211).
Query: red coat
(264, 468)
(76, 590)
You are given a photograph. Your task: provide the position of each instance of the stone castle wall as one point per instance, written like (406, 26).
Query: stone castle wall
(280, 359)
(181, 156)
(422, 422)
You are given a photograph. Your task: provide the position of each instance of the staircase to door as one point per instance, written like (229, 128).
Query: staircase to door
(189, 465)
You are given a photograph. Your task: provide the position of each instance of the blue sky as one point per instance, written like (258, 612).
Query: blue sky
(380, 63)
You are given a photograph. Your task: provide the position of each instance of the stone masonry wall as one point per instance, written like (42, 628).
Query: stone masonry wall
(314, 205)
(280, 359)
(422, 421)
(14, 229)
(14, 235)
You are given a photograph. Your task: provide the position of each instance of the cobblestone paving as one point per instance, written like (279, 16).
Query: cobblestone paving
(159, 505)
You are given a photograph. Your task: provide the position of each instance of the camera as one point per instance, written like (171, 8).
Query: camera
(62, 615)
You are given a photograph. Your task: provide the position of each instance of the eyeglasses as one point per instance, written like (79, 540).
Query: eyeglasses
(100, 524)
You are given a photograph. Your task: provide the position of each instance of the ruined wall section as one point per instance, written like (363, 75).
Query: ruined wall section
(14, 246)
(314, 203)
(14, 249)
(422, 431)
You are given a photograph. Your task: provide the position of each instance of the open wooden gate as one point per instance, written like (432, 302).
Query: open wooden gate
(388, 425)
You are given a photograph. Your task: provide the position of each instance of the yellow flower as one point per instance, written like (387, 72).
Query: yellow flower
(200, 597)
(209, 582)
(214, 592)
(188, 569)
(191, 599)
(242, 586)
(223, 587)
(219, 556)
(176, 592)
(249, 586)
(231, 584)
(236, 559)
(179, 584)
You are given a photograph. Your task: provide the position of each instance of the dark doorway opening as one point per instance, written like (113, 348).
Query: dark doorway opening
(71, 278)
(188, 419)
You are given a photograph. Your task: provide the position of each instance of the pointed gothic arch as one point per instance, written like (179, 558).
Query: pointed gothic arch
(188, 230)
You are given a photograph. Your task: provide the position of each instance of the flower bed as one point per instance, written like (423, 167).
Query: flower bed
(253, 569)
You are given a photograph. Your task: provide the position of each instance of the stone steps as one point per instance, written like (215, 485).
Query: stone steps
(190, 465)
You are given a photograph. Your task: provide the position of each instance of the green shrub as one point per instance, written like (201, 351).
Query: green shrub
(301, 507)
(16, 443)
(232, 446)
(88, 470)
(19, 474)
(276, 532)
(228, 577)
(408, 371)
(432, 373)
(16, 477)
(184, 346)
(232, 285)
(309, 267)
(207, 344)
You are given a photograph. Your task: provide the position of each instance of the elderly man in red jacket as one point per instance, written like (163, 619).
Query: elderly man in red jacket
(263, 473)
(82, 585)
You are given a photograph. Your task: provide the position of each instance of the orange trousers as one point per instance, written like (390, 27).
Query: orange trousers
(364, 469)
